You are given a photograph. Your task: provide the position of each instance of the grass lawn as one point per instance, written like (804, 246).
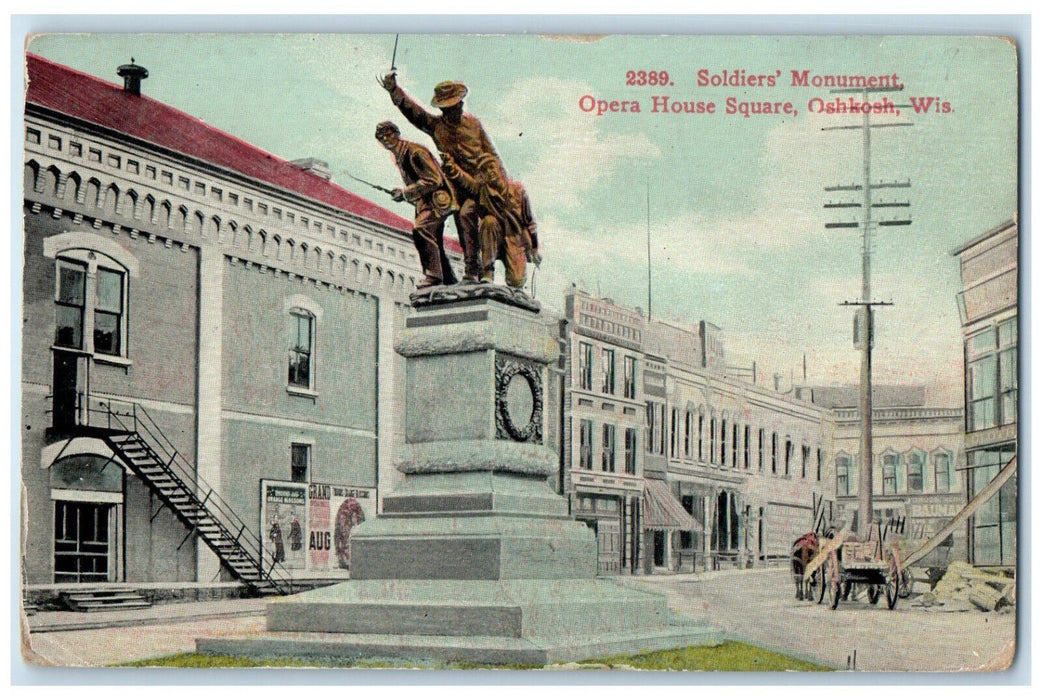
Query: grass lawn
(729, 656)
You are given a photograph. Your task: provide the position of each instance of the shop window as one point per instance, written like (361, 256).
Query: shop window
(300, 463)
(301, 351)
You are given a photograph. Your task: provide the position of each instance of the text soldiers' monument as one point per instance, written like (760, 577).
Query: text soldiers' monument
(474, 557)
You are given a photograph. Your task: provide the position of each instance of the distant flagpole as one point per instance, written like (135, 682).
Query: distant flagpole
(648, 204)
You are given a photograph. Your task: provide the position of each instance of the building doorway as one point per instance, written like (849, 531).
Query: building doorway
(83, 542)
(65, 389)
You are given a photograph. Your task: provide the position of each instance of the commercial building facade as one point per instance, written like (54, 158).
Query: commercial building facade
(678, 465)
(988, 266)
(917, 447)
(200, 293)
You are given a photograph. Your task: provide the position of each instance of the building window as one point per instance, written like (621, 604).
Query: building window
(674, 433)
(942, 471)
(843, 475)
(631, 450)
(723, 442)
(661, 422)
(774, 453)
(818, 464)
(759, 452)
(91, 307)
(302, 339)
(71, 303)
(745, 446)
(687, 434)
(701, 428)
(788, 455)
(806, 458)
(734, 445)
(890, 463)
(991, 377)
(608, 449)
(916, 462)
(629, 377)
(1008, 371)
(586, 444)
(608, 371)
(712, 440)
(300, 463)
(649, 437)
(108, 312)
(585, 366)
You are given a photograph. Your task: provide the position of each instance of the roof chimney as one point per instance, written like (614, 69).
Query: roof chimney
(132, 75)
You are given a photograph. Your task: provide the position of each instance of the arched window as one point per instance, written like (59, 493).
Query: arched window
(843, 474)
(891, 462)
(943, 471)
(92, 278)
(916, 464)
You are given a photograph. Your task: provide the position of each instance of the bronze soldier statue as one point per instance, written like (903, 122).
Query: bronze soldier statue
(505, 224)
(460, 136)
(427, 189)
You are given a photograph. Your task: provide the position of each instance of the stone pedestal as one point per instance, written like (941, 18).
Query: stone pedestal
(474, 557)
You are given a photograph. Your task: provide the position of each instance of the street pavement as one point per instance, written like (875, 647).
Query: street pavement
(760, 606)
(755, 605)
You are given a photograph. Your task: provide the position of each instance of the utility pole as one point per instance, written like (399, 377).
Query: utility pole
(864, 326)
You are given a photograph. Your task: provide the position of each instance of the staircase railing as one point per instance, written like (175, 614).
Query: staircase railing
(131, 417)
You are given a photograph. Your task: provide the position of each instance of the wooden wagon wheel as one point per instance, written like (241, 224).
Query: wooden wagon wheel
(893, 580)
(837, 589)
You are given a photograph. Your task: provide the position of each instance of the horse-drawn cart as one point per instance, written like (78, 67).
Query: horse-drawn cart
(841, 565)
(873, 565)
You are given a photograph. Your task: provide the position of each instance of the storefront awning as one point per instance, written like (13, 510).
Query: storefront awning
(662, 511)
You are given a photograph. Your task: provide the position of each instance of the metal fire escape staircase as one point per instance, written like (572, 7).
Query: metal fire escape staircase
(136, 438)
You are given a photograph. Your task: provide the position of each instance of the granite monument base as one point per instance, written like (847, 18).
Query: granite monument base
(474, 558)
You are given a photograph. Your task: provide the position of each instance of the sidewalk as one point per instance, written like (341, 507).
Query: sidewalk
(66, 620)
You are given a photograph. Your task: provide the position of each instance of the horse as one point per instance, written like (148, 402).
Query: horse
(803, 550)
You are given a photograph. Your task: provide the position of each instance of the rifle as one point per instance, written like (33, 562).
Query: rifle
(366, 182)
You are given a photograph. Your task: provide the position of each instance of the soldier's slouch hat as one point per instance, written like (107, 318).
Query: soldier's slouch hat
(448, 93)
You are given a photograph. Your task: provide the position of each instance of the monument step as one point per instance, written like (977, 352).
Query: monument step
(472, 548)
(423, 649)
(517, 608)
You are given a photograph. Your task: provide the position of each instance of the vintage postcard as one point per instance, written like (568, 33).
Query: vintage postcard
(520, 351)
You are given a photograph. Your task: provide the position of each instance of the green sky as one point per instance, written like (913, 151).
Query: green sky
(737, 224)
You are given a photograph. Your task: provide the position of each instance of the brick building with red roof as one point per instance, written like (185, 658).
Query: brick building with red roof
(208, 372)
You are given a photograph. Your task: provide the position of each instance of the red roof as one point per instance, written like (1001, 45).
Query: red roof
(91, 99)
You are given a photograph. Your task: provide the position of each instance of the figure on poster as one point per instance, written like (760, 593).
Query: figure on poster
(296, 534)
(429, 191)
(460, 136)
(505, 222)
(348, 516)
(275, 535)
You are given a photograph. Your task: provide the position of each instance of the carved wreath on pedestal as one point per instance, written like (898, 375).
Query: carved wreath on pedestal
(517, 383)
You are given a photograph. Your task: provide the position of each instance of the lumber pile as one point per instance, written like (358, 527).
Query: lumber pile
(965, 587)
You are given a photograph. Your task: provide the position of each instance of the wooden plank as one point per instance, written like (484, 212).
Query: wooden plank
(969, 509)
(823, 554)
